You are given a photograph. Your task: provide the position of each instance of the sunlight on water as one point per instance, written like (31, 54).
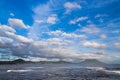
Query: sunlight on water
(34, 67)
(103, 69)
(19, 70)
(96, 68)
(113, 71)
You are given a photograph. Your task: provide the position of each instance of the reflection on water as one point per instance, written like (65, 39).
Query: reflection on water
(113, 71)
(19, 70)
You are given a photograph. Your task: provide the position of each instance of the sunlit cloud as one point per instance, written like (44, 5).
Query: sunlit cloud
(61, 30)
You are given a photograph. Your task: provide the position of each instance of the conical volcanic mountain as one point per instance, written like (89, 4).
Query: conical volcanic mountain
(92, 62)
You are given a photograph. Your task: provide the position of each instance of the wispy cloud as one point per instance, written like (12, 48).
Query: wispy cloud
(103, 36)
(66, 35)
(12, 14)
(14, 22)
(71, 6)
(94, 44)
(78, 20)
(91, 29)
(117, 45)
(52, 19)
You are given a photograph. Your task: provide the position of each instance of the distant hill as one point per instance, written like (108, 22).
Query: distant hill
(92, 62)
(19, 61)
(55, 62)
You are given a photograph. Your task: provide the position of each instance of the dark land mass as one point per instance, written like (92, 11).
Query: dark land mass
(21, 61)
(92, 62)
(87, 62)
(17, 61)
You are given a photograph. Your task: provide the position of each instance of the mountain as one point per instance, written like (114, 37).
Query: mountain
(18, 61)
(92, 62)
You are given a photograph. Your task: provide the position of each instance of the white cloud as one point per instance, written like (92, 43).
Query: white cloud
(43, 17)
(47, 49)
(58, 48)
(103, 36)
(4, 29)
(58, 44)
(67, 35)
(5, 42)
(14, 22)
(73, 35)
(92, 55)
(55, 33)
(117, 45)
(101, 15)
(52, 19)
(71, 6)
(18, 37)
(12, 14)
(94, 44)
(91, 29)
(78, 20)
(81, 19)
(7, 31)
(39, 21)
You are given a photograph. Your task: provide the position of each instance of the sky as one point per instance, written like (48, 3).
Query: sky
(70, 30)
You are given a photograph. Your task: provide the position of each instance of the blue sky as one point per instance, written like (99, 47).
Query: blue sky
(60, 29)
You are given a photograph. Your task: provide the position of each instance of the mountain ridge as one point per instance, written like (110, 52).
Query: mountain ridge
(92, 62)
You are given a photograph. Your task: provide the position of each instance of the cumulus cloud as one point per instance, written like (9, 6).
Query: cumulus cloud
(54, 44)
(9, 39)
(91, 29)
(5, 42)
(46, 49)
(52, 19)
(57, 42)
(14, 22)
(7, 31)
(4, 29)
(71, 6)
(51, 48)
(67, 35)
(92, 44)
(18, 37)
(78, 20)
